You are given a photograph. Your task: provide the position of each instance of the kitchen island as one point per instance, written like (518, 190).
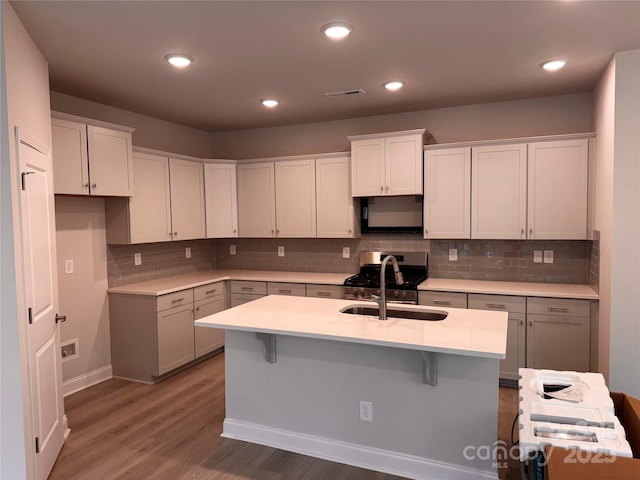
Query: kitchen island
(297, 370)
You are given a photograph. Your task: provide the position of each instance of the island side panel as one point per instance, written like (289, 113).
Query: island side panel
(315, 387)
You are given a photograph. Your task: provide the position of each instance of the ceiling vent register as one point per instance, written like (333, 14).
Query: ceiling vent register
(342, 93)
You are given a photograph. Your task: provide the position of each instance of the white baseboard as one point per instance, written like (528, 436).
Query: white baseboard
(352, 454)
(88, 379)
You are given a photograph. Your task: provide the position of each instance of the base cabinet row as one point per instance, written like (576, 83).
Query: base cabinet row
(151, 336)
(543, 333)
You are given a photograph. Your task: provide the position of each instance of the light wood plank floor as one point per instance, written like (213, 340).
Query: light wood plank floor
(171, 430)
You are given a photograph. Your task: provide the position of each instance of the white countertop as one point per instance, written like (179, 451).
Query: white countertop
(163, 286)
(528, 289)
(476, 333)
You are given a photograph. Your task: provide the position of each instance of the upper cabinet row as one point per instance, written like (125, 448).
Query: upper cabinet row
(387, 164)
(534, 191)
(91, 159)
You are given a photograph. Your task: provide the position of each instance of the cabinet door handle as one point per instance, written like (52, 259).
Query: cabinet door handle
(558, 309)
(247, 289)
(521, 322)
(426, 232)
(531, 231)
(284, 291)
(522, 232)
(496, 305)
(381, 189)
(387, 188)
(94, 186)
(85, 185)
(273, 232)
(441, 302)
(177, 300)
(197, 309)
(209, 292)
(324, 294)
(531, 323)
(175, 234)
(234, 230)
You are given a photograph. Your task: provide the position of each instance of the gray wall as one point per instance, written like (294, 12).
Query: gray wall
(519, 118)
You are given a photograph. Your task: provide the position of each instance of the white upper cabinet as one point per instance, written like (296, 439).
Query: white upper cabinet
(447, 193)
(256, 200)
(499, 192)
(335, 210)
(187, 199)
(221, 200)
(387, 164)
(558, 189)
(150, 207)
(295, 198)
(91, 160)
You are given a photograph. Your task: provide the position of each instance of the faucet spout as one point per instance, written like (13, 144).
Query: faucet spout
(382, 301)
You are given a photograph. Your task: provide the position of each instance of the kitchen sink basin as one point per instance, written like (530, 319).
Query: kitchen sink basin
(395, 313)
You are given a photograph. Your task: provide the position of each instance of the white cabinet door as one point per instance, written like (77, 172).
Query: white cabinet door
(368, 167)
(403, 165)
(70, 160)
(447, 193)
(558, 343)
(175, 338)
(110, 166)
(221, 200)
(334, 210)
(256, 200)
(187, 199)
(516, 347)
(150, 207)
(499, 192)
(558, 190)
(295, 198)
(208, 339)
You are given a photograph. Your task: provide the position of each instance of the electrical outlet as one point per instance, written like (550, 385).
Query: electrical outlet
(548, 256)
(68, 267)
(453, 254)
(366, 411)
(187, 252)
(137, 259)
(346, 252)
(281, 251)
(537, 256)
(232, 249)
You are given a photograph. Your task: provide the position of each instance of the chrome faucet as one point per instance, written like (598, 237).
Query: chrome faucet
(382, 299)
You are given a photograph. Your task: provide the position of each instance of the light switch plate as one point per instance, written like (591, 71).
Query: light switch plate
(281, 251)
(537, 256)
(548, 256)
(137, 259)
(453, 254)
(68, 267)
(346, 252)
(232, 249)
(187, 252)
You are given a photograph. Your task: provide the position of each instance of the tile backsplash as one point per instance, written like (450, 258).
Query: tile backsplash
(506, 260)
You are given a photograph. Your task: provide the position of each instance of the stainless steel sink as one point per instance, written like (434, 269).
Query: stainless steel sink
(395, 313)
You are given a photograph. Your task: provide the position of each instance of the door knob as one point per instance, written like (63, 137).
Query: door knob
(61, 318)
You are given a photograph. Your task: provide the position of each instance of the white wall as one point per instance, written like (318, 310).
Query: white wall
(150, 132)
(81, 237)
(519, 118)
(27, 106)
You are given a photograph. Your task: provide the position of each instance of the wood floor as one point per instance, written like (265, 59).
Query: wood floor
(171, 430)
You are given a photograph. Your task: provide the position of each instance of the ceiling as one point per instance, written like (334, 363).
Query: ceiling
(448, 52)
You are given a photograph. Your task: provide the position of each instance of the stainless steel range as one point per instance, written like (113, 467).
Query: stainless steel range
(365, 283)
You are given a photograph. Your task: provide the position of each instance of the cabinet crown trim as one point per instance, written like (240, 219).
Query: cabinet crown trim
(310, 156)
(90, 121)
(420, 131)
(178, 156)
(500, 141)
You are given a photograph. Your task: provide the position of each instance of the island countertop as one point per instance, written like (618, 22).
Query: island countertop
(476, 333)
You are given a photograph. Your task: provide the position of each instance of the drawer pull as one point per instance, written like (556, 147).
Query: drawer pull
(496, 305)
(178, 300)
(209, 292)
(247, 289)
(284, 291)
(324, 294)
(558, 309)
(441, 302)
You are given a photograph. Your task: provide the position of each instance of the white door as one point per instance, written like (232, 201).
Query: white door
(110, 167)
(334, 204)
(70, 161)
(256, 200)
(187, 199)
(221, 200)
(367, 167)
(403, 163)
(296, 198)
(41, 293)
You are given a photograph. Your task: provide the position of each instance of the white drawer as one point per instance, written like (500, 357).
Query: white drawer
(563, 307)
(254, 288)
(281, 288)
(208, 291)
(501, 303)
(176, 299)
(443, 299)
(325, 291)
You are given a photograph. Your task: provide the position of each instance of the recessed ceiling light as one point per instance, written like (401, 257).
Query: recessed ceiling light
(179, 60)
(394, 85)
(337, 30)
(553, 65)
(269, 103)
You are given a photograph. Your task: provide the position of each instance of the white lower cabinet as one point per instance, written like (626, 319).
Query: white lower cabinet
(516, 330)
(175, 338)
(288, 289)
(207, 300)
(243, 291)
(443, 299)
